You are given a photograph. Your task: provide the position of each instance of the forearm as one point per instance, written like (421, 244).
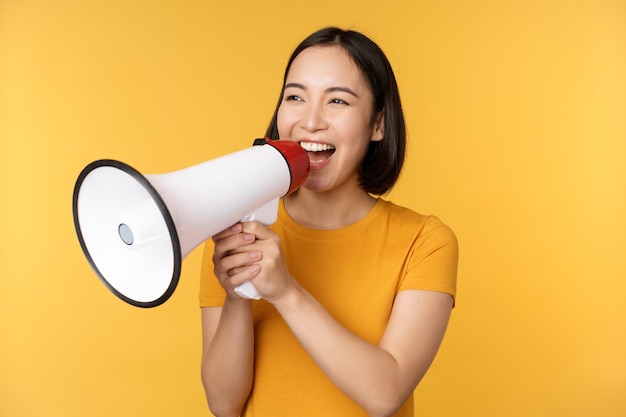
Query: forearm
(228, 360)
(365, 372)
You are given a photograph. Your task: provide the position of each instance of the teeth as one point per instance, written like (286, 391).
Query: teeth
(315, 147)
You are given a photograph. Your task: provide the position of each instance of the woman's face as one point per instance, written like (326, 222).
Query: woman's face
(328, 108)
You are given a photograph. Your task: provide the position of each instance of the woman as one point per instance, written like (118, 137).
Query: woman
(356, 291)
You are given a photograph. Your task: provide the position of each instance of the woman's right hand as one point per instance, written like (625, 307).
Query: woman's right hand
(232, 263)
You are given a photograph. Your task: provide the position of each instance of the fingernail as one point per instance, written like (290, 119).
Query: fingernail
(255, 255)
(249, 237)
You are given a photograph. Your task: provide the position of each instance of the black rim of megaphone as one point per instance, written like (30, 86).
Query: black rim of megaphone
(166, 216)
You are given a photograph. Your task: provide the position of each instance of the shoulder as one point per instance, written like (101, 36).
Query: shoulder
(425, 234)
(404, 218)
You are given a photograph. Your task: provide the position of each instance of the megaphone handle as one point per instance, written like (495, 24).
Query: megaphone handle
(247, 290)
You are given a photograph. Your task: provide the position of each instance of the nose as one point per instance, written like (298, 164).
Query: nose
(313, 118)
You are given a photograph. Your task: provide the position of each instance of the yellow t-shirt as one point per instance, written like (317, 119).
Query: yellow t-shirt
(355, 273)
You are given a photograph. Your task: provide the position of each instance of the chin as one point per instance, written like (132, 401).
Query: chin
(315, 186)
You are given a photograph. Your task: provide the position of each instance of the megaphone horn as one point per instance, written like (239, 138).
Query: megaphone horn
(135, 230)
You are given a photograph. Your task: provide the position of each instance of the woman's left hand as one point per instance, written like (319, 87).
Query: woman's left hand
(273, 280)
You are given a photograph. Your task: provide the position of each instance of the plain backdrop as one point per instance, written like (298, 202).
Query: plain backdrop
(516, 114)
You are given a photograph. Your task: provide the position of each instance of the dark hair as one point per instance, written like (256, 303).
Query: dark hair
(384, 159)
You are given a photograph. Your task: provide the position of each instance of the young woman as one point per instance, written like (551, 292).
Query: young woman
(356, 291)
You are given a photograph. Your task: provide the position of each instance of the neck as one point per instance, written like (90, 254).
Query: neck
(328, 210)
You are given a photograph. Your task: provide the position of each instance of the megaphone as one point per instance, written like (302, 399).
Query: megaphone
(135, 230)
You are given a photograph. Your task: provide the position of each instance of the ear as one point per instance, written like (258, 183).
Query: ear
(378, 131)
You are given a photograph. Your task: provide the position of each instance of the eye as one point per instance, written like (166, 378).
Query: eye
(293, 97)
(338, 101)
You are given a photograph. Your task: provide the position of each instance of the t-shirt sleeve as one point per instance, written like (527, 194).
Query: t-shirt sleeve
(211, 292)
(434, 260)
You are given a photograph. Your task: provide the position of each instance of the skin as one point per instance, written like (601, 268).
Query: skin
(326, 101)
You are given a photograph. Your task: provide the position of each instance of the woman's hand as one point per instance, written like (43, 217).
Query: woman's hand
(250, 251)
(233, 260)
(272, 280)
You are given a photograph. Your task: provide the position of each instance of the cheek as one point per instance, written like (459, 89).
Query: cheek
(358, 129)
(282, 123)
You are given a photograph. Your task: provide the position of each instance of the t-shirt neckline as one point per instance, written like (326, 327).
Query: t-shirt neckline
(343, 232)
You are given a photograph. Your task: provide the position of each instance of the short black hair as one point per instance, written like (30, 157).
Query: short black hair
(384, 159)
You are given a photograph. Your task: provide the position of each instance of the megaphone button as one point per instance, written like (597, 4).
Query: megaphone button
(126, 234)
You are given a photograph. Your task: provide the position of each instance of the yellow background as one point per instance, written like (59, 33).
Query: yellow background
(516, 113)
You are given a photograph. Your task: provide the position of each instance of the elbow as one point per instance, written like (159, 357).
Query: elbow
(220, 408)
(383, 410)
(387, 401)
(220, 405)
(223, 413)
(385, 407)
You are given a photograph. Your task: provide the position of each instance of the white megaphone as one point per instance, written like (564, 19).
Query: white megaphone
(135, 230)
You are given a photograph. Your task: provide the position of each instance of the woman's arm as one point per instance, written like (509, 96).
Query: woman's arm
(227, 357)
(378, 377)
(227, 331)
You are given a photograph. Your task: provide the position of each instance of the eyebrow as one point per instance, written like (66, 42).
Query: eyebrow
(328, 90)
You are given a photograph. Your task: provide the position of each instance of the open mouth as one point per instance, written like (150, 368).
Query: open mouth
(318, 152)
